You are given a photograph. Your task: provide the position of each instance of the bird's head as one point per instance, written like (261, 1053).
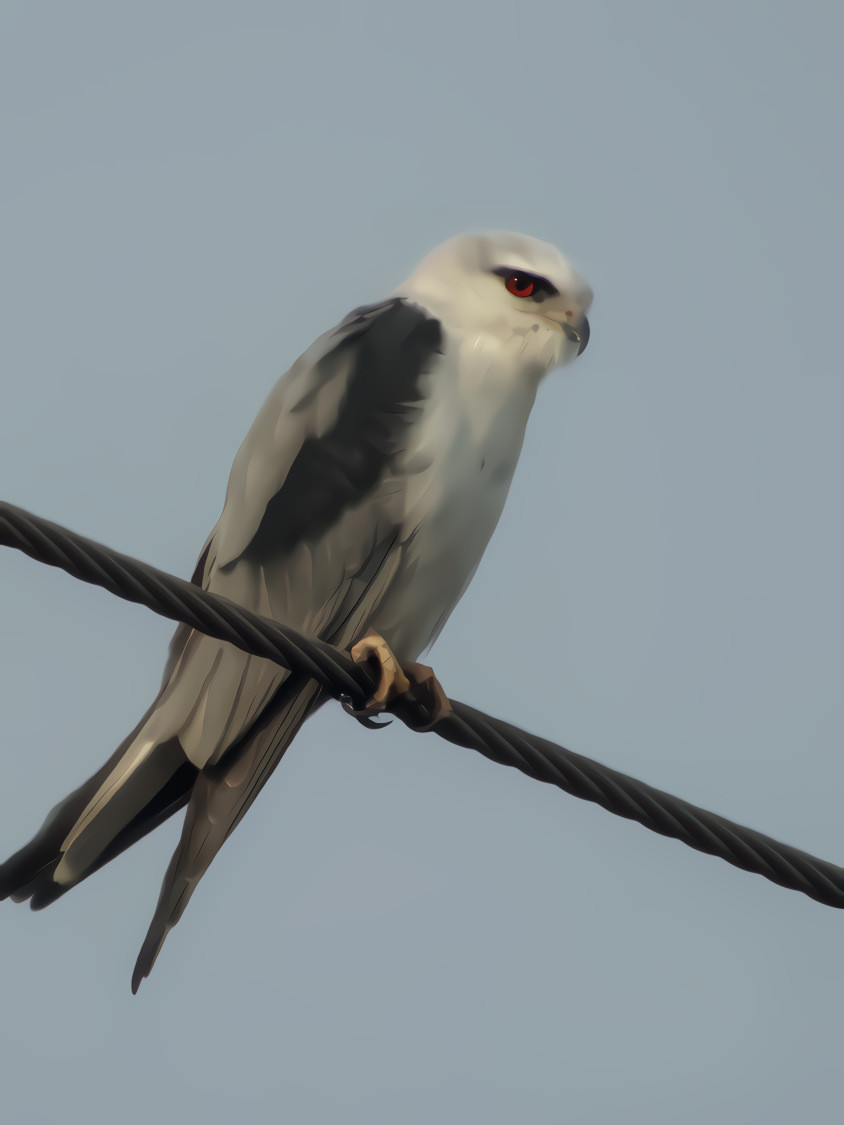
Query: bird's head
(506, 285)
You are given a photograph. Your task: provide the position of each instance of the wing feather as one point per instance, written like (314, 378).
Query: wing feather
(310, 519)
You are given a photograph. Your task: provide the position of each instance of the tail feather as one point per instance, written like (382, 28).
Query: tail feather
(220, 797)
(173, 796)
(30, 872)
(134, 792)
(30, 868)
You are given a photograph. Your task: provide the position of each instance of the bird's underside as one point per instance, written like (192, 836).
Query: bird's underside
(357, 510)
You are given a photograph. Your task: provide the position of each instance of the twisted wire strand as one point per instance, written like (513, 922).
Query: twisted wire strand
(499, 741)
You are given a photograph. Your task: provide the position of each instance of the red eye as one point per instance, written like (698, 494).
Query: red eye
(518, 285)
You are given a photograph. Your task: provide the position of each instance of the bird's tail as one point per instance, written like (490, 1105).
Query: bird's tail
(141, 785)
(130, 795)
(219, 798)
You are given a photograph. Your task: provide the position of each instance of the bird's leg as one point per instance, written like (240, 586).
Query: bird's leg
(417, 680)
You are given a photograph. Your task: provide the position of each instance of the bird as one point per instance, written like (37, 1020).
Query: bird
(357, 510)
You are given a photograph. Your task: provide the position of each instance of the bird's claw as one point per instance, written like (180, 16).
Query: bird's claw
(415, 685)
(372, 649)
(427, 692)
(363, 717)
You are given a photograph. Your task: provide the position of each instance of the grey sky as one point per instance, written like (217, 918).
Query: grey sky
(401, 931)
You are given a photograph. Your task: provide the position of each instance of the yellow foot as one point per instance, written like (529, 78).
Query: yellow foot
(428, 691)
(391, 679)
(416, 680)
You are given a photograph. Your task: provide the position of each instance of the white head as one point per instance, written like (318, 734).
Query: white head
(505, 285)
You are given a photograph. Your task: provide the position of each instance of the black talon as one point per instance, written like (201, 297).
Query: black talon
(362, 717)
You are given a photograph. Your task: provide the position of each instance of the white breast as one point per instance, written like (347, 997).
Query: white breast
(453, 478)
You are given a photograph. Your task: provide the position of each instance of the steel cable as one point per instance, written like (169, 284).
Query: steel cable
(464, 726)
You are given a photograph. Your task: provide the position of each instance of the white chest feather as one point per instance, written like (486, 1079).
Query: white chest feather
(455, 473)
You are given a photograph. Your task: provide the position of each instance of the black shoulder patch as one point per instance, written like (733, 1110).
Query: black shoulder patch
(390, 347)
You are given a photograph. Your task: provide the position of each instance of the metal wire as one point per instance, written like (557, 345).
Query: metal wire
(464, 726)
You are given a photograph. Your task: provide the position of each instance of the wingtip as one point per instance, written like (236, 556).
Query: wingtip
(11, 880)
(140, 973)
(147, 958)
(23, 877)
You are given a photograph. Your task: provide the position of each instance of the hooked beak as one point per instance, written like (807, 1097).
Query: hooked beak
(581, 337)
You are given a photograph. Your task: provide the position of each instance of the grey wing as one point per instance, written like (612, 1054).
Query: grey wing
(311, 534)
(308, 534)
(320, 557)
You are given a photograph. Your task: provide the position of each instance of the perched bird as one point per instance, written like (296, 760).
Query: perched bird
(357, 510)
